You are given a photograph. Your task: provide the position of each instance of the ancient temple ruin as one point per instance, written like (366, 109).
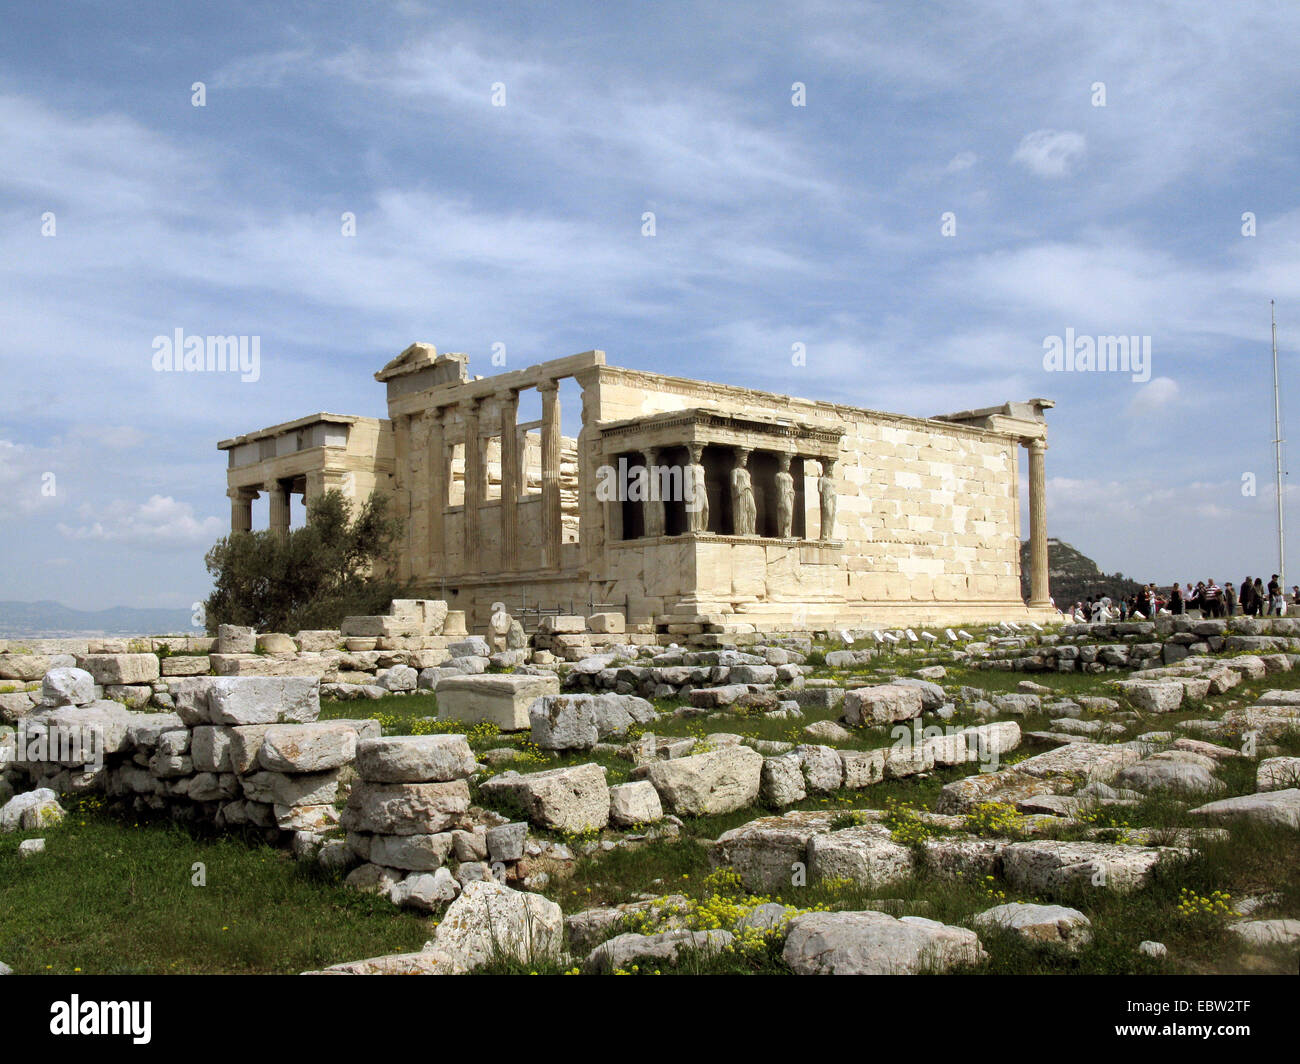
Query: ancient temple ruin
(679, 503)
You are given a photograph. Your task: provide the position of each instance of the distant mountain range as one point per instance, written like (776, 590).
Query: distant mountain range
(1074, 577)
(52, 620)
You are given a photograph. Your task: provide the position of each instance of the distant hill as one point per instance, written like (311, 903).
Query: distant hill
(1074, 577)
(52, 619)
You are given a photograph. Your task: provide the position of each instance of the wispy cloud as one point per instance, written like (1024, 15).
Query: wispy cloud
(522, 224)
(1049, 153)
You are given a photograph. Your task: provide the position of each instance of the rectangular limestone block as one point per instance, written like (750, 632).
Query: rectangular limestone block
(502, 700)
(279, 788)
(186, 665)
(318, 640)
(235, 639)
(563, 624)
(370, 626)
(24, 666)
(416, 853)
(261, 665)
(243, 746)
(406, 808)
(263, 699)
(414, 759)
(122, 668)
(307, 747)
(607, 622)
(210, 748)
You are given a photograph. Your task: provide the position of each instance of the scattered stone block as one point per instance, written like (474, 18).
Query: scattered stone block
(782, 780)
(573, 799)
(1051, 925)
(874, 943)
(67, 687)
(1281, 808)
(867, 856)
(708, 784)
(1047, 867)
(502, 700)
(489, 920)
(634, 803)
(882, 704)
(622, 951)
(1277, 774)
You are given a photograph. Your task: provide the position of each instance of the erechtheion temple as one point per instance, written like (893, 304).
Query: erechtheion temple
(679, 502)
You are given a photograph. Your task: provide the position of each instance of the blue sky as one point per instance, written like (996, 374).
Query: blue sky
(775, 225)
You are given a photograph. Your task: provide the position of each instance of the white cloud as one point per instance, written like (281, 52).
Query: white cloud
(1049, 153)
(961, 161)
(1154, 396)
(160, 522)
(29, 482)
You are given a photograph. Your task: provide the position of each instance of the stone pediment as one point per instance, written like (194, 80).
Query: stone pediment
(420, 358)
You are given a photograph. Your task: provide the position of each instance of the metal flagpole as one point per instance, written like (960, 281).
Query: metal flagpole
(1277, 448)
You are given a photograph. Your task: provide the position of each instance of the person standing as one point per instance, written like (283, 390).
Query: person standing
(1247, 597)
(1213, 599)
(1176, 600)
(1229, 599)
(1275, 603)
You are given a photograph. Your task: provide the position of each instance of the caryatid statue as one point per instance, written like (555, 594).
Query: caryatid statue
(697, 495)
(826, 489)
(784, 499)
(743, 507)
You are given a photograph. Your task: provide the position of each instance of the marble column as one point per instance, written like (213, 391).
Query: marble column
(279, 496)
(593, 516)
(241, 509)
(402, 493)
(508, 404)
(552, 524)
(436, 480)
(1039, 592)
(654, 504)
(473, 484)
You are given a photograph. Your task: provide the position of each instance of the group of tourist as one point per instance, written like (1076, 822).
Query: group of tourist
(1254, 599)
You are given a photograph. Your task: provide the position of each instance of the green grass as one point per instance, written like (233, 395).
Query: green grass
(1254, 861)
(112, 897)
